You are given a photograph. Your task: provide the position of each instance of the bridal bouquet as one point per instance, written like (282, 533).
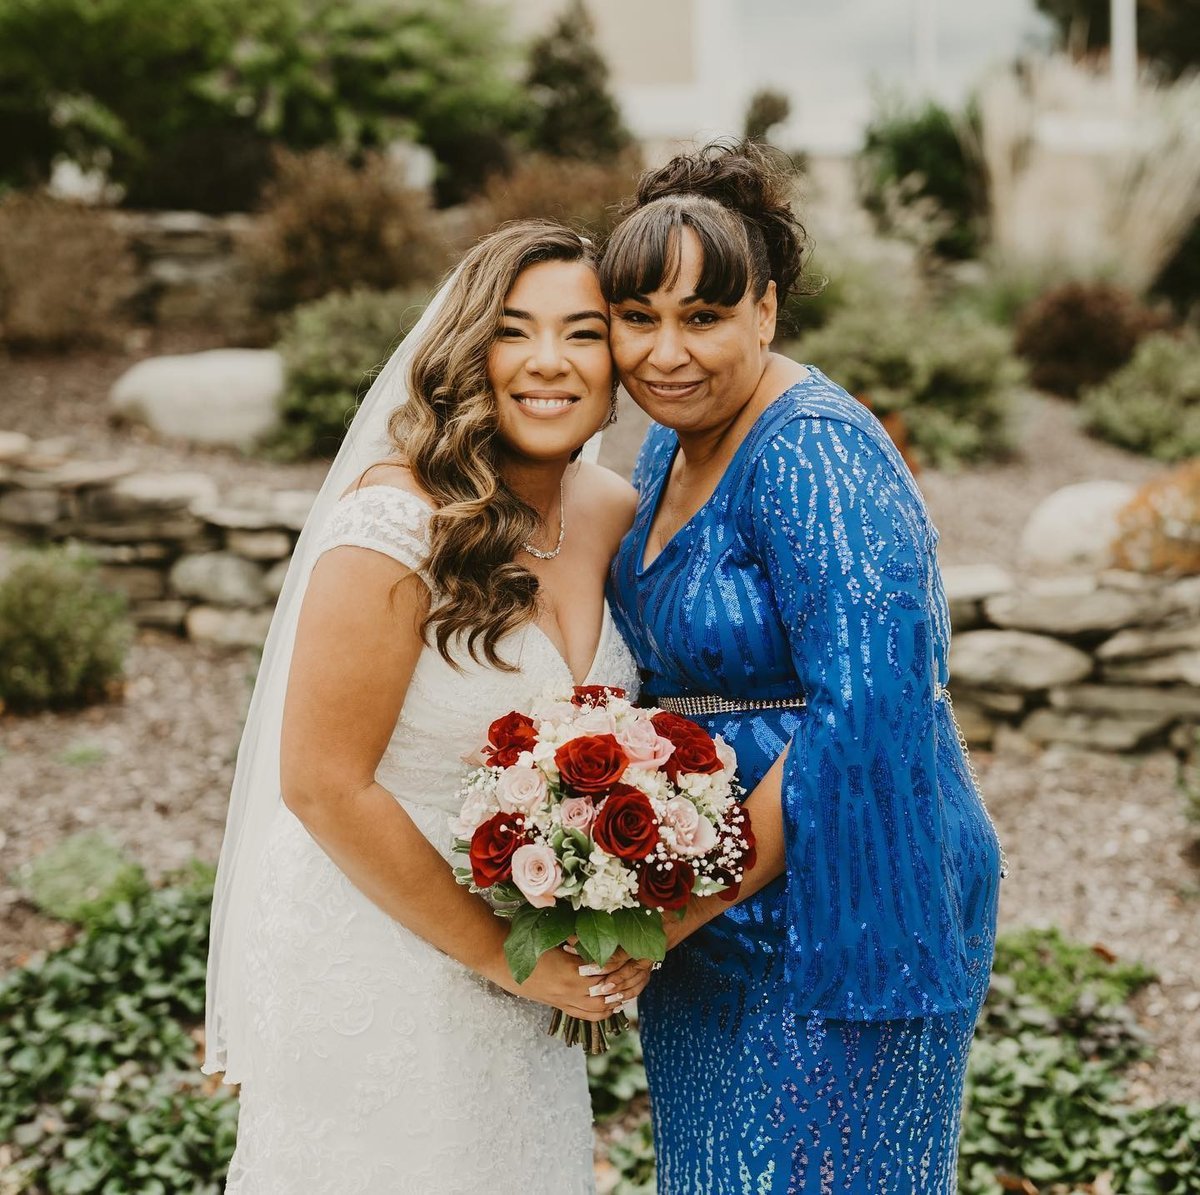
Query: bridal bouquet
(589, 821)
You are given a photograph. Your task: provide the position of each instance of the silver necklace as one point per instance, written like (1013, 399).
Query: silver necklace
(562, 529)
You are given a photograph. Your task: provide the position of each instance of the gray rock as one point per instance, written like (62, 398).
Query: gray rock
(239, 518)
(1073, 529)
(1181, 701)
(220, 579)
(1159, 641)
(1182, 667)
(291, 507)
(31, 508)
(994, 701)
(222, 396)
(167, 614)
(259, 545)
(967, 585)
(1182, 598)
(136, 582)
(1068, 606)
(1015, 660)
(74, 475)
(228, 628)
(153, 492)
(14, 445)
(176, 528)
(144, 553)
(273, 581)
(977, 726)
(1097, 731)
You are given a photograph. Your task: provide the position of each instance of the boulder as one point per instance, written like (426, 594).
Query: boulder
(30, 508)
(259, 545)
(167, 614)
(152, 493)
(1123, 732)
(220, 579)
(136, 582)
(73, 475)
(276, 574)
(1068, 606)
(222, 396)
(1015, 660)
(228, 628)
(967, 586)
(13, 446)
(1074, 528)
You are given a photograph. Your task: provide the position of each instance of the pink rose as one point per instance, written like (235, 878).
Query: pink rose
(520, 789)
(537, 873)
(693, 833)
(578, 813)
(643, 744)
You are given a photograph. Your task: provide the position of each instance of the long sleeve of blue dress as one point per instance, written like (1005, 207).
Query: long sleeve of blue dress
(874, 922)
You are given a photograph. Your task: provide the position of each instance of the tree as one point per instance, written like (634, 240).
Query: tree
(766, 109)
(575, 115)
(181, 100)
(1168, 30)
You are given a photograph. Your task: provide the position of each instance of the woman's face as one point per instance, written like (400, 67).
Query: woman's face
(549, 366)
(691, 365)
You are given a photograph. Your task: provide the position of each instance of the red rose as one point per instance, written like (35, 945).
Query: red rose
(666, 884)
(492, 847)
(626, 826)
(590, 764)
(694, 751)
(591, 695)
(507, 738)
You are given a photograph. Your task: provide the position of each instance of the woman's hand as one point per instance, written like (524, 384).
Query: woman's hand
(561, 981)
(621, 979)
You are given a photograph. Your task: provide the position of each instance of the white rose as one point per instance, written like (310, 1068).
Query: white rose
(596, 720)
(686, 830)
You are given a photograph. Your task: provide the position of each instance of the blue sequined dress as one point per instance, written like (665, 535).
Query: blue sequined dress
(814, 1037)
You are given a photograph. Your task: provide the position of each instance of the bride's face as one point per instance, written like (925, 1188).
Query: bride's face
(549, 366)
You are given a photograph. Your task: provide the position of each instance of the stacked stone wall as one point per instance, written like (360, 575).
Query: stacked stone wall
(1109, 660)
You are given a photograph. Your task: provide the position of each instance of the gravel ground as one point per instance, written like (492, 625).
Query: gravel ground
(1099, 845)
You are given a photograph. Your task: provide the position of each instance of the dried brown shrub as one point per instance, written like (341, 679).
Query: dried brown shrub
(329, 225)
(586, 196)
(65, 273)
(1078, 334)
(1159, 531)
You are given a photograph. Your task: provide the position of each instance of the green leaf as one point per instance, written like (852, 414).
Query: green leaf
(553, 927)
(519, 948)
(640, 933)
(597, 935)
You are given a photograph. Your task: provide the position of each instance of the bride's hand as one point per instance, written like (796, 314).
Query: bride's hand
(556, 980)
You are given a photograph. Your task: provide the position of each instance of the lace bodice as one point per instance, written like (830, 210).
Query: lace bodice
(379, 1065)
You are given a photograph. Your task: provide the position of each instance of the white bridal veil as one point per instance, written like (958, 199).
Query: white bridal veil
(255, 795)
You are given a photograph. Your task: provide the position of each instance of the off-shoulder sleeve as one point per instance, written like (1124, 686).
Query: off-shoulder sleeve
(875, 930)
(384, 519)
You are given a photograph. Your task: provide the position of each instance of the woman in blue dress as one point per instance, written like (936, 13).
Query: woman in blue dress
(780, 587)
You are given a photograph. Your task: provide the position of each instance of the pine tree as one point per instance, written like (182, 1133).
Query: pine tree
(577, 116)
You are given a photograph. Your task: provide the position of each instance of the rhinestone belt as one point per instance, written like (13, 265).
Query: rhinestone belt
(706, 704)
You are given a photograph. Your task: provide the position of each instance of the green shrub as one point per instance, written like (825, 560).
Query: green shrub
(1153, 404)
(63, 636)
(617, 1078)
(1077, 334)
(330, 226)
(330, 349)
(81, 879)
(913, 156)
(65, 273)
(949, 375)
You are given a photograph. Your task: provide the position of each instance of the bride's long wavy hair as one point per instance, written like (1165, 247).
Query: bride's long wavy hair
(446, 435)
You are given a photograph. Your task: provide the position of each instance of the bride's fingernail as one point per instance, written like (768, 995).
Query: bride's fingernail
(570, 949)
(590, 969)
(600, 989)
(615, 998)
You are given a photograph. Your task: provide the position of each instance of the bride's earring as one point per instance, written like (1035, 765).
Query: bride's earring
(612, 407)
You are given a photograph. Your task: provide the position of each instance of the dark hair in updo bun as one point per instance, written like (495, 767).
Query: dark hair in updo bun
(735, 196)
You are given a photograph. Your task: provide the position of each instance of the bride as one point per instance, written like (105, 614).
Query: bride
(453, 567)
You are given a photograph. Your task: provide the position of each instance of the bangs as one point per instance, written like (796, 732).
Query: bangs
(644, 253)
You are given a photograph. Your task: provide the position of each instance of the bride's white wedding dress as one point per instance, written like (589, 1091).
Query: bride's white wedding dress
(378, 1065)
